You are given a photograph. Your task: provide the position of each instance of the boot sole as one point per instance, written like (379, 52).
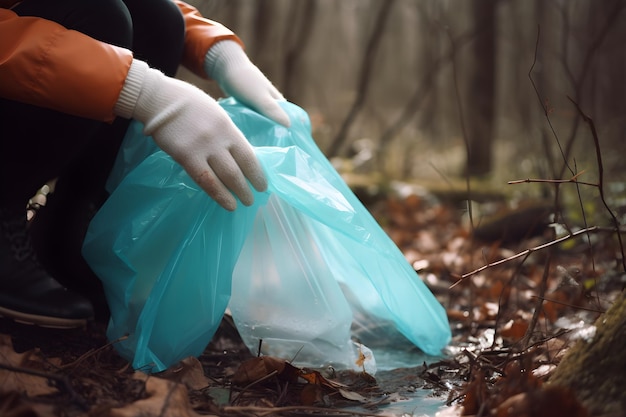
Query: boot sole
(42, 321)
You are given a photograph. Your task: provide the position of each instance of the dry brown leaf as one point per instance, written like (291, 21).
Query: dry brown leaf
(555, 349)
(316, 378)
(258, 368)
(189, 372)
(352, 396)
(311, 394)
(14, 405)
(475, 394)
(546, 402)
(165, 399)
(514, 329)
(21, 382)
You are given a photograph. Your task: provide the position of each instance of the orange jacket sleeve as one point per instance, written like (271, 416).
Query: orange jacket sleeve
(44, 64)
(200, 35)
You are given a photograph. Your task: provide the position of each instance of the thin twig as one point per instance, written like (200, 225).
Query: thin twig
(263, 411)
(92, 352)
(550, 300)
(61, 381)
(573, 180)
(502, 301)
(463, 127)
(546, 112)
(527, 252)
(542, 102)
(596, 142)
(258, 381)
(539, 306)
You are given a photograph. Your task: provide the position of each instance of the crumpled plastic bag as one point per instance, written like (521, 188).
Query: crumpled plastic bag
(285, 296)
(166, 254)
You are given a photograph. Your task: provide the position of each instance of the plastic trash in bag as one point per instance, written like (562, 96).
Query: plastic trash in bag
(286, 297)
(301, 259)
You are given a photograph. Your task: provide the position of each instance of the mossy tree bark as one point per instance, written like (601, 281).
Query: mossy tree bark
(594, 369)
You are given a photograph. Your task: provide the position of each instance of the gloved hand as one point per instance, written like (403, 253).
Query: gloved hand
(227, 63)
(195, 131)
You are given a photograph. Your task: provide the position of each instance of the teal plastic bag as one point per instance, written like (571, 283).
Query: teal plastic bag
(166, 252)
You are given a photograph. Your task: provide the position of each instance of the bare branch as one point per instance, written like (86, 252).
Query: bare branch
(596, 142)
(530, 250)
(572, 180)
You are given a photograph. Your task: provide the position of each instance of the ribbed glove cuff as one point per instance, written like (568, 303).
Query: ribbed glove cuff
(125, 106)
(221, 56)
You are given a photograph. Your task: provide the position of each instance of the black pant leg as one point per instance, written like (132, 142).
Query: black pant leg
(38, 144)
(59, 228)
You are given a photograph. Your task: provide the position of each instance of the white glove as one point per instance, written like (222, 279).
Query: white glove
(195, 131)
(228, 64)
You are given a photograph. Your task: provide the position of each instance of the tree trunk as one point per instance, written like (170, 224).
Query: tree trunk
(302, 15)
(365, 73)
(594, 369)
(480, 108)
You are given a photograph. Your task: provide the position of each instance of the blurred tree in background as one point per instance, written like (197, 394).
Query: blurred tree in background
(438, 88)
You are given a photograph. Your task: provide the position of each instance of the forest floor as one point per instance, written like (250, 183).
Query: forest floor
(511, 324)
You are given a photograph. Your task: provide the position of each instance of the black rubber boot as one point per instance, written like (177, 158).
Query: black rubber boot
(58, 230)
(29, 294)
